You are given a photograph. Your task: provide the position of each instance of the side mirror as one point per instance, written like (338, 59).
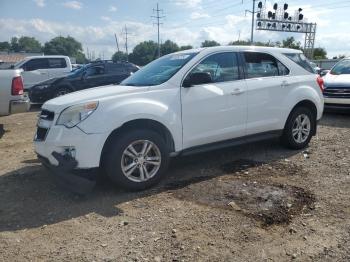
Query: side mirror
(198, 78)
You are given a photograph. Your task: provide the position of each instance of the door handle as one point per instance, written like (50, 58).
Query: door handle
(284, 84)
(237, 92)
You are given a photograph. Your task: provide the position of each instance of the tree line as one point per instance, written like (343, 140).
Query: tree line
(56, 46)
(147, 51)
(142, 54)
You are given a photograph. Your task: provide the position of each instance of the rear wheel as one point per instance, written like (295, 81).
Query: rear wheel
(299, 128)
(137, 159)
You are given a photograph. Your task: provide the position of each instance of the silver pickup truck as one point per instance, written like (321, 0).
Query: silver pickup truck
(12, 99)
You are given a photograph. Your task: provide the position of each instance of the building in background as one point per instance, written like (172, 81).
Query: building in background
(9, 58)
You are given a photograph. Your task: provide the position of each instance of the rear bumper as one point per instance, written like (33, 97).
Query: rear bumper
(19, 106)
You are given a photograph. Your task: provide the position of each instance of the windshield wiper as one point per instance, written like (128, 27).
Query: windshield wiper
(129, 84)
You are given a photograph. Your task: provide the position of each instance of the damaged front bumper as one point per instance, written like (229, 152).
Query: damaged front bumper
(66, 174)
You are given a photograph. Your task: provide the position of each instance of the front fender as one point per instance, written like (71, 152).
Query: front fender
(108, 117)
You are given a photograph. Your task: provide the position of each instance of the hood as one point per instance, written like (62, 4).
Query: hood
(93, 94)
(337, 80)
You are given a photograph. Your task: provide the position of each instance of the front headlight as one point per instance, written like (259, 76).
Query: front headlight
(73, 115)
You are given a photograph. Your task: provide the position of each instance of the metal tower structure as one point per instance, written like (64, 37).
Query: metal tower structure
(279, 19)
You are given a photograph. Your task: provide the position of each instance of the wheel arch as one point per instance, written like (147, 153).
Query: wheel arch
(308, 104)
(144, 123)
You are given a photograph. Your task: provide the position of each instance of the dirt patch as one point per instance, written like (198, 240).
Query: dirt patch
(267, 202)
(210, 207)
(250, 167)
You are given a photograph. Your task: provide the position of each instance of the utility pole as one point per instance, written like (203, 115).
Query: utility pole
(158, 17)
(126, 43)
(252, 32)
(116, 41)
(253, 18)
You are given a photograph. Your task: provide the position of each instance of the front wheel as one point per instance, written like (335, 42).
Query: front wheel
(299, 128)
(136, 160)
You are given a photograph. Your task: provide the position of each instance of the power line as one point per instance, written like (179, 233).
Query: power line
(158, 17)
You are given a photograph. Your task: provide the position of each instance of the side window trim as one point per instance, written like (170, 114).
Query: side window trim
(244, 64)
(239, 65)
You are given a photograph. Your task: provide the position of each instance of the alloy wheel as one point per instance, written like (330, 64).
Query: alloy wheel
(301, 128)
(141, 160)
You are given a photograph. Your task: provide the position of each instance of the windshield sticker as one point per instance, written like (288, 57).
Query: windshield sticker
(179, 57)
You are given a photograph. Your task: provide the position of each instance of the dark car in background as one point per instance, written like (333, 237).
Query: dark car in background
(94, 74)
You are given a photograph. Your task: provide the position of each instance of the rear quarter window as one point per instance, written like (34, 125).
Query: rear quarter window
(301, 60)
(35, 64)
(57, 63)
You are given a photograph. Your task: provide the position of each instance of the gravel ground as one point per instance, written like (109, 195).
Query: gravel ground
(253, 203)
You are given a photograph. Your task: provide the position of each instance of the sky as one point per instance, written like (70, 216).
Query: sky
(187, 22)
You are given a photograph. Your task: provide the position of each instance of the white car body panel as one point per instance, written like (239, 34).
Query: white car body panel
(194, 116)
(9, 103)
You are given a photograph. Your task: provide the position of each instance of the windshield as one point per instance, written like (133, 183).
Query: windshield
(19, 63)
(79, 70)
(342, 67)
(159, 71)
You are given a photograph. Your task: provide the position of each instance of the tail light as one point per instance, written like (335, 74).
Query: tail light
(320, 83)
(17, 86)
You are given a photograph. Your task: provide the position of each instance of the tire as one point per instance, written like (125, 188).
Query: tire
(145, 172)
(62, 91)
(297, 136)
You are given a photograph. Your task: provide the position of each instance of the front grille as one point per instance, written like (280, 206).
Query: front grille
(337, 92)
(47, 115)
(44, 123)
(41, 134)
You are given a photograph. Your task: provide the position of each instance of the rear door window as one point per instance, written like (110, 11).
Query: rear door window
(35, 64)
(301, 60)
(57, 63)
(263, 65)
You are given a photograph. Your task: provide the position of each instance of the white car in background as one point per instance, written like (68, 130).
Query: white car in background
(182, 103)
(40, 68)
(337, 85)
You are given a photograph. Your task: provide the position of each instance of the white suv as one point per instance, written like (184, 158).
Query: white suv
(182, 103)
